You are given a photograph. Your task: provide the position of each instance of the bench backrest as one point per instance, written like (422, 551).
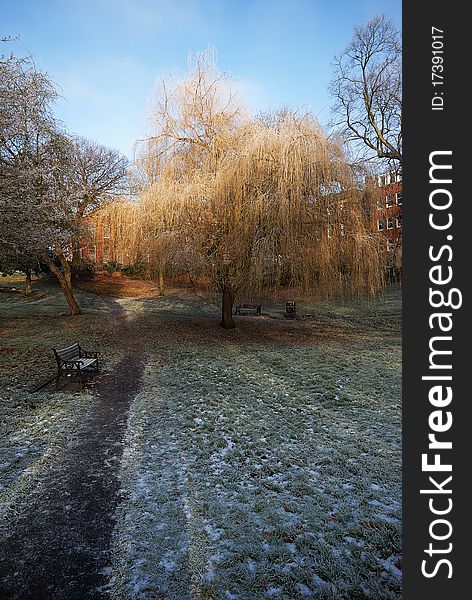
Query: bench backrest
(69, 353)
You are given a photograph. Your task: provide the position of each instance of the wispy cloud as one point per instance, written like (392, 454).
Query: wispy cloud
(152, 15)
(106, 99)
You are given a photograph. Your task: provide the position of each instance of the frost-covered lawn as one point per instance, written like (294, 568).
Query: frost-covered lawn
(264, 462)
(35, 427)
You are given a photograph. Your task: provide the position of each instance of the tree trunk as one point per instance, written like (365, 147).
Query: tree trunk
(227, 308)
(65, 279)
(74, 308)
(76, 256)
(161, 280)
(28, 285)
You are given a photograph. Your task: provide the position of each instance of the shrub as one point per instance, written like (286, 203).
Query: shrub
(136, 270)
(82, 270)
(112, 266)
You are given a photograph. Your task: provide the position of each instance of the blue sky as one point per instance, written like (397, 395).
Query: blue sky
(107, 55)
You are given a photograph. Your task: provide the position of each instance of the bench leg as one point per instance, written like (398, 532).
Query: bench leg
(58, 379)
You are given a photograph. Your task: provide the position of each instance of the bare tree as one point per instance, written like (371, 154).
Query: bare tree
(48, 181)
(248, 203)
(37, 193)
(61, 224)
(193, 119)
(100, 174)
(25, 95)
(367, 90)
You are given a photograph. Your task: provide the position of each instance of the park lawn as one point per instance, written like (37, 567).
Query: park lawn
(35, 427)
(264, 462)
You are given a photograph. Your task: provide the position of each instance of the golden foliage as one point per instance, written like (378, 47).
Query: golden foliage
(248, 202)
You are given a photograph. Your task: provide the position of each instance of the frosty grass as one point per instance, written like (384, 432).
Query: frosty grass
(259, 463)
(266, 470)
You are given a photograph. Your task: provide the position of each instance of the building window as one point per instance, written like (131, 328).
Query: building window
(385, 179)
(388, 178)
(106, 232)
(380, 203)
(389, 200)
(399, 198)
(390, 245)
(92, 253)
(106, 251)
(380, 224)
(389, 222)
(342, 228)
(399, 221)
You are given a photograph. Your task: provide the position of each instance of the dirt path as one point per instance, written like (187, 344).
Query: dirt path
(58, 548)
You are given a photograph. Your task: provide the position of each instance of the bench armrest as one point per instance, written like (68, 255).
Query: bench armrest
(84, 354)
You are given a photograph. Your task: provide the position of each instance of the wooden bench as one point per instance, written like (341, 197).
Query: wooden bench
(248, 307)
(73, 361)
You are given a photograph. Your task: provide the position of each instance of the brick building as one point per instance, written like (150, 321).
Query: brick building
(102, 245)
(387, 216)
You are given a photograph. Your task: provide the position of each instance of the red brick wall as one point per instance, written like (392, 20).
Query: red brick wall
(389, 213)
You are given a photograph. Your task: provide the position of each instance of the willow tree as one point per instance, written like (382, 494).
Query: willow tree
(251, 203)
(124, 237)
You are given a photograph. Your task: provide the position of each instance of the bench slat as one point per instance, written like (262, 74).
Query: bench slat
(256, 307)
(68, 353)
(87, 362)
